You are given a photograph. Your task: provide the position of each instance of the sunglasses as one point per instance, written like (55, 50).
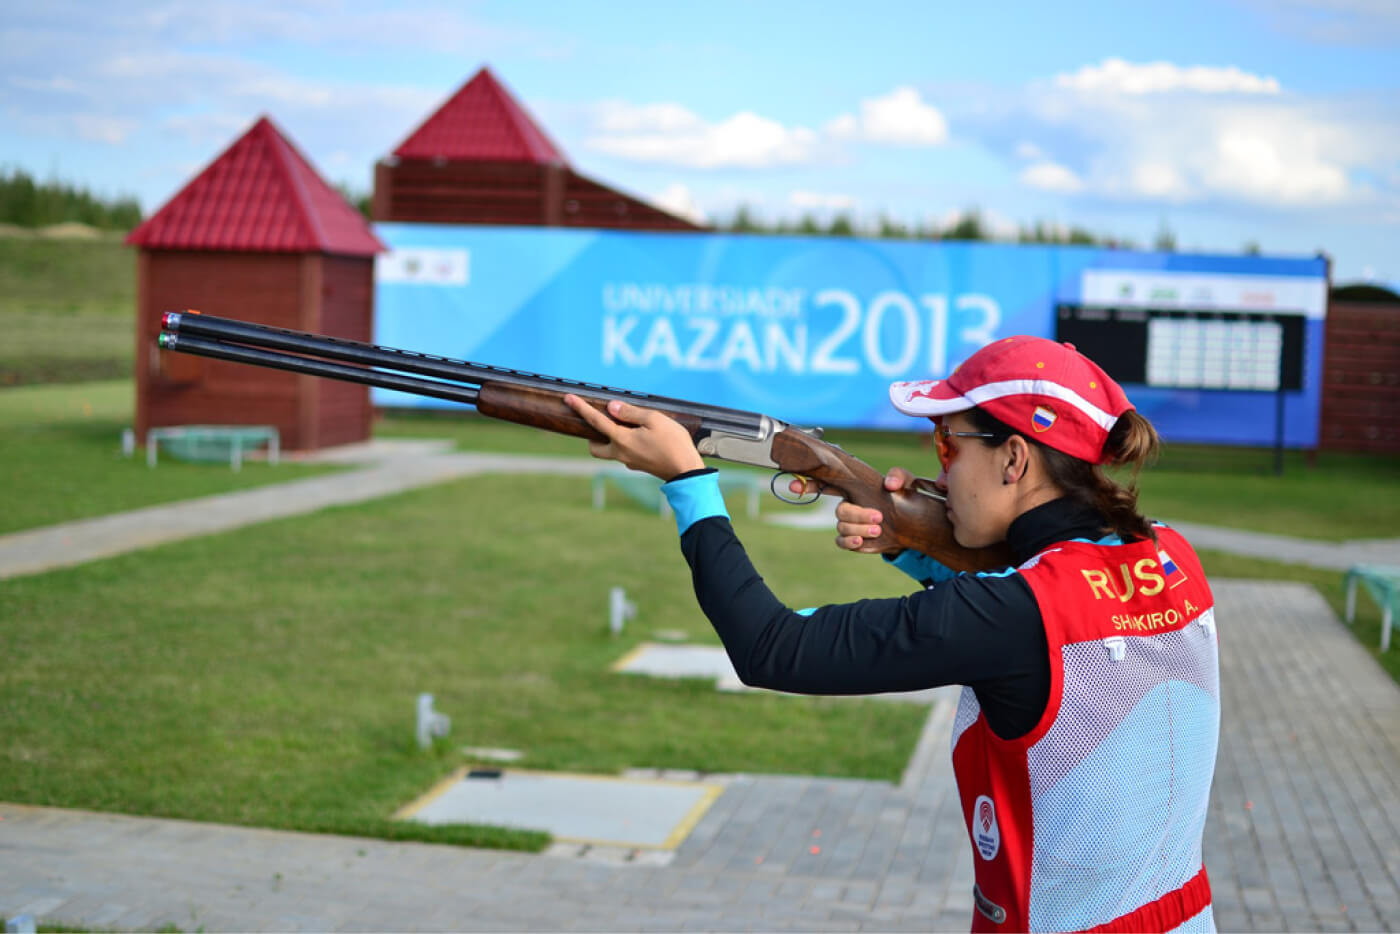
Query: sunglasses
(944, 446)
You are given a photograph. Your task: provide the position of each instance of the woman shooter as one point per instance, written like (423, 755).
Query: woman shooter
(1085, 739)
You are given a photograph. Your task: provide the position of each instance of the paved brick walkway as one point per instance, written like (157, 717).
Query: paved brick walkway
(1304, 834)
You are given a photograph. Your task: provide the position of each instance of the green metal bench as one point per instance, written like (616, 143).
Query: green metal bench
(212, 443)
(1383, 584)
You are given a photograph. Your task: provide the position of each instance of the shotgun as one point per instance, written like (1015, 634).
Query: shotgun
(912, 519)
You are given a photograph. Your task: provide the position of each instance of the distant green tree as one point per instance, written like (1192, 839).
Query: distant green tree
(928, 231)
(1037, 233)
(890, 229)
(808, 225)
(841, 226)
(359, 200)
(1251, 248)
(968, 227)
(744, 221)
(1165, 240)
(28, 203)
(1078, 236)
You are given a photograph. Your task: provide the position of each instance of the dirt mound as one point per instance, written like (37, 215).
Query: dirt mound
(71, 230)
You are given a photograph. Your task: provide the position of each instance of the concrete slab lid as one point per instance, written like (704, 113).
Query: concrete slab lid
(594, 809)
(676, 661)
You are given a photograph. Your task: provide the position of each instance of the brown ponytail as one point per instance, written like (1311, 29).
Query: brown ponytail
(1132, 442)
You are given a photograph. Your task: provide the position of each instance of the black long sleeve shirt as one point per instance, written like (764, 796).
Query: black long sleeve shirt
(980, 630)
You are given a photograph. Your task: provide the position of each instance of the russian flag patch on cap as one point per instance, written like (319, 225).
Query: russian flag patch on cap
(1042, 418)
(1174, 574)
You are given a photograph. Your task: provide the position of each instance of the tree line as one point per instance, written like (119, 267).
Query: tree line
(30, 203)
(969, 226)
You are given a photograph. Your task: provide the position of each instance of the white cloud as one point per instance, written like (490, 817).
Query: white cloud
(679, 200)
(345, 24)
(1029, 151)
(101, 128)
(900, 117)
(56, 83)
(1170, 134)
(208, 130)
(1157, 180)
(1285, 159)
(672, 135)
(618, 117)
(1115, 76)
(1050, 176)
(822, 201)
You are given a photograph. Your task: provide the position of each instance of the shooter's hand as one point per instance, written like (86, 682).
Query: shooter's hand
(856, 526)
(642, 439)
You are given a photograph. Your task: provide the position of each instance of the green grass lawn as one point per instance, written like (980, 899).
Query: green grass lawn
(67, 309)
(62, 459)
(267, 676)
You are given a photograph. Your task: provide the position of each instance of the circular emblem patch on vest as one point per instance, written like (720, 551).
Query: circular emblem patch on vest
(985, 831)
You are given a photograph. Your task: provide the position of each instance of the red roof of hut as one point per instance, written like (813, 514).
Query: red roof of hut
(482, 122)
(259, 195)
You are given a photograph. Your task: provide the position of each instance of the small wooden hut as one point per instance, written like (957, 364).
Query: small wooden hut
(480, 158)
(1361, 372)
(258, 235)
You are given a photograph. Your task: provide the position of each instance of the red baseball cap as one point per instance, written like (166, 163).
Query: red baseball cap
(1047, 390)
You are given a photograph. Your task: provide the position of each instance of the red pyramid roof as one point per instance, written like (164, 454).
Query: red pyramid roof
(259, 195)
(482, 122)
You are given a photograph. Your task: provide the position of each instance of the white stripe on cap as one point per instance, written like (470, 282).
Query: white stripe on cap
(1041, 387)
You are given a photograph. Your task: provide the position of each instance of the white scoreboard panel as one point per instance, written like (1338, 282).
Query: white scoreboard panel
(1195, 349)
(1195, 353)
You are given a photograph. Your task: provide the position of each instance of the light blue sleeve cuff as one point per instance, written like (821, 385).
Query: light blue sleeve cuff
(922, 568)
(695, 498)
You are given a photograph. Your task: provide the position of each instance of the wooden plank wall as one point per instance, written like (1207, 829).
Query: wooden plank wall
(1361, 379)
(302, 291)
(510, 194)
(343, 414)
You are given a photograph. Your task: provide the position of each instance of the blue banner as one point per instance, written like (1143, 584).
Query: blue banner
(809, 330)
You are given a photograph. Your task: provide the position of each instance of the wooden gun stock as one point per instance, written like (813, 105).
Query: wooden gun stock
(911, 519)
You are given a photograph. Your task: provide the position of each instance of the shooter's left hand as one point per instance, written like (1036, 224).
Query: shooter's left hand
(642, 439)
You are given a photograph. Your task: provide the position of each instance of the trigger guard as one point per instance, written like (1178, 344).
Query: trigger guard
(773, 485)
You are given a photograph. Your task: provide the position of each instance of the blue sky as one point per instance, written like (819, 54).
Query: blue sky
(1227, 123)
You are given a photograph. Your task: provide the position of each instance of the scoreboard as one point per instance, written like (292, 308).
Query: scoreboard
(1189, 349)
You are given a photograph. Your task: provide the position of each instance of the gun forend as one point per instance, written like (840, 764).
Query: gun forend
(545, 408)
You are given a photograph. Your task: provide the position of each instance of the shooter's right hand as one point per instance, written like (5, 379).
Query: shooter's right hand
(857, 527)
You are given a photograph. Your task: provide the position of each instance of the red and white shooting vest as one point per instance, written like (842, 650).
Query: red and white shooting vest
(1093, 820)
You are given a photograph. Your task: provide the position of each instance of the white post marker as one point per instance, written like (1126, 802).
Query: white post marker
(430, 722)
(620, 610)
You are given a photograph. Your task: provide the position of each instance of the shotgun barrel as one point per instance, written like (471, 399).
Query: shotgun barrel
(237, 353)
(228, 331)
